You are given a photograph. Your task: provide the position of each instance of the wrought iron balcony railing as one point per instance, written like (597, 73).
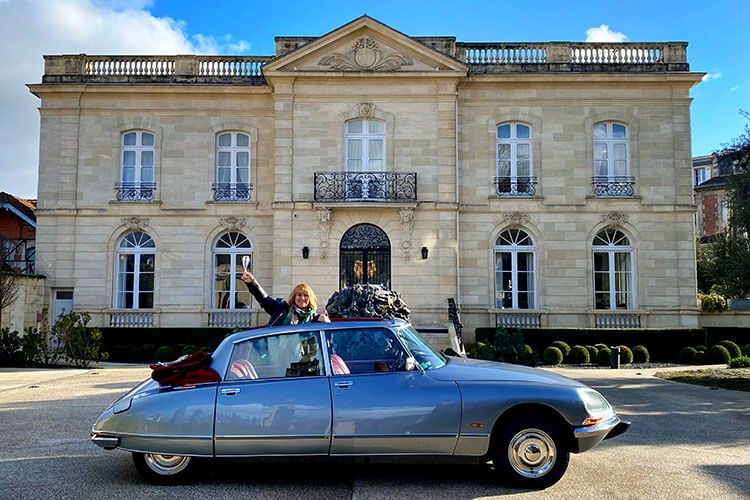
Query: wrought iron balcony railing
(613, 186)
(515, 186)
(230, 191)
(365, 186)
(135, 191)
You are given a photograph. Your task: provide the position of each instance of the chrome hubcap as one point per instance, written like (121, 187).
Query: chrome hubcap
(166, 465)
(532, 453)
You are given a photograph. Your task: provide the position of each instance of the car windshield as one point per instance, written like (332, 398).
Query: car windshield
(427, 357)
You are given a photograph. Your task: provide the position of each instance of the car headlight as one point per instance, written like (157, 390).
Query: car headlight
(595, 404)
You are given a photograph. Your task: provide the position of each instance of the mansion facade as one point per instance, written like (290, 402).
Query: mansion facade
(537, 184)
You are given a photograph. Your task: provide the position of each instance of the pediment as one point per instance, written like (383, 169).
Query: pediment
(364, 46)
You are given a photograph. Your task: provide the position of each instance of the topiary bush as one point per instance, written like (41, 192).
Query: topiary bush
(165, 353)
(601, 346)
(687, 355)
(718, 354)
(593, 351)
(734, 349)
(564, 348)
(579, 355)
(640, 354)
(208, 348)
(189, 349)
(701, 358)
(740, 362)
(746, 350)
(602, 357)
(701, 348)
(552, 356)
(626, 355)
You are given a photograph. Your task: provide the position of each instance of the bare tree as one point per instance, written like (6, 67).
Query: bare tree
(8, 279)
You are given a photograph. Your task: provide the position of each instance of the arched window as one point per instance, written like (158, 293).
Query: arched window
(514, 168)
(232, 166)
(365, 256)
(365, 146)
(137, 166)
(229, 252)
(613, 270)
(136, 264)
(515, 286)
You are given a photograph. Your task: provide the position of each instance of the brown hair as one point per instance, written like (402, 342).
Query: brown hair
(303, 287)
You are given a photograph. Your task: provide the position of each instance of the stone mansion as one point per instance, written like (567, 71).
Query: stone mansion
(537, 184)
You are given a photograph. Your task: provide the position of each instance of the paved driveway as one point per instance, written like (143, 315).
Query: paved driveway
(685, 442)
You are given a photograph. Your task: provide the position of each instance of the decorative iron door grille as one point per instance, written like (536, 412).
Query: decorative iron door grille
(365, 257)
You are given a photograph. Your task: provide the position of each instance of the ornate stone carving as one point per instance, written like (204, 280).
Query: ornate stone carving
(365, 55)
(136, 223)
(516, 218)
(614, 219)
(365, 109)
(324, 230)
(407, 224)
(232, 223)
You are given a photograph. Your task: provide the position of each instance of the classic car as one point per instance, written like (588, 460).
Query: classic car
(358, 388)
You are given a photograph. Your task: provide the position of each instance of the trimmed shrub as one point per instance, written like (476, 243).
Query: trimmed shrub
(640, 354)
(718, 354)
(208, 348)
(740, 362)
(165, 353)
(746, 350)
(579, 355)
(602, 357)
(189, 349)
(601, 346)
(148, 351)
(687, 355)
(701, 348)
(552, 356)
(593, 351)
(734, 349)
(564, 348)
(626, 355)
(701, 358)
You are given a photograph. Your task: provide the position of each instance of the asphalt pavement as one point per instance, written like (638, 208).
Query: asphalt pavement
(685, 442)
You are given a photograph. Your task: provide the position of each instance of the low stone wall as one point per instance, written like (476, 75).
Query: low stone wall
(725, 319)
(29, 302)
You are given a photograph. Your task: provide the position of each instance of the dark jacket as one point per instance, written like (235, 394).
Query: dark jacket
(276, 308)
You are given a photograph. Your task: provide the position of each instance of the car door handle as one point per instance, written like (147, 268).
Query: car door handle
(344, 384)
(230, 391)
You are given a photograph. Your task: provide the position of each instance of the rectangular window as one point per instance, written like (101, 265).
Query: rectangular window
(277, 356)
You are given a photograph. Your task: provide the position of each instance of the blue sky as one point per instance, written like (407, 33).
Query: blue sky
(718, 34)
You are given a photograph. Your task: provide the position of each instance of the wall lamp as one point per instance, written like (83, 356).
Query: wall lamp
(305, 252)
(424, 252)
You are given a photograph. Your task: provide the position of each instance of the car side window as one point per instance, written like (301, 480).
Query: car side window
(276, 356)
(366, 350)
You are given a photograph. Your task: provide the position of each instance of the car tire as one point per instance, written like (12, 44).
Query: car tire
(530, 452)
(163, 469)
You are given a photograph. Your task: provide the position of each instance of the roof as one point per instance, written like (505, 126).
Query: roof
(22, 208)
(713, 182)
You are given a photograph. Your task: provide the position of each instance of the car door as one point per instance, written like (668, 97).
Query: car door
(274, 399)
(380, 408)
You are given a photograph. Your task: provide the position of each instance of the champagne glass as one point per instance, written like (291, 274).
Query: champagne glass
(245, 262)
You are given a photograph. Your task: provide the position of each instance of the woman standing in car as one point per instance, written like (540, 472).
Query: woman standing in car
(297, 309)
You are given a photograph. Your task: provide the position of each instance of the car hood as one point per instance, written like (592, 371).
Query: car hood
(465, 369)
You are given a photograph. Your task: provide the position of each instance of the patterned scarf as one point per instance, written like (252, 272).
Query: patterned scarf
(297, 316)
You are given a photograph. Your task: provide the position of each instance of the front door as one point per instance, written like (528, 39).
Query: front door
(365, 257)
(379, 408)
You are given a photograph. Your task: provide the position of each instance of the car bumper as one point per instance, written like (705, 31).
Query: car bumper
(586, 437)
(106, 442)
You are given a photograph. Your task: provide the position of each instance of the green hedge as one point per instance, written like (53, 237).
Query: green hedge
(663, 344)
(740, 336)
(139, 344)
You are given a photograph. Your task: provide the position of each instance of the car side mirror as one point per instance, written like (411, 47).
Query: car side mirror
(411, 364)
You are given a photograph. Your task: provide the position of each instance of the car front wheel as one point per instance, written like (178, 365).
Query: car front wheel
(163, 469)
(531, 452)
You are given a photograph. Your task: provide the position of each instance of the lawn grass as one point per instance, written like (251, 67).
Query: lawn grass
(736, 379)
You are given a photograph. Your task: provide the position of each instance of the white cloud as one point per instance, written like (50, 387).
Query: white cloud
(30, 29)
(711, 76)
(604, 34)
(735, 88)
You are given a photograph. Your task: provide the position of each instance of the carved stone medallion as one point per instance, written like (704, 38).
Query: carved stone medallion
(136, 223)
(232, 223)
(407, 223)
(365, 55)
(324, 230)
(614, 219)
(516, 218)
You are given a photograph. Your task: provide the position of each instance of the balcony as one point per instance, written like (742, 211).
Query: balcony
(226, 191)
(518, 319)
(611, 319)
(613, 186)
(366, 186)
(135, 191)
(229, 318)
(131, 319)
(515, 186)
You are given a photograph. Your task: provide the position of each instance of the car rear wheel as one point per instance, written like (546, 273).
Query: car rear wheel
(531, 452)
(163, 469)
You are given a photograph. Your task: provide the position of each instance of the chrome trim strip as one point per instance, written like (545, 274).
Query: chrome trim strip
(267, 436)
(360, 436)
(595, 430)
(391, 454)
(273, 455)
(160, 436)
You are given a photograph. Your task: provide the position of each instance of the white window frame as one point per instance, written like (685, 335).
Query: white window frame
(141, 241)
(517, 239)
(235, 252)
(609, 143)
(514, 142)
(365, 136)
(233, 149)
(138, 149)
(617, 243)
(701, 174)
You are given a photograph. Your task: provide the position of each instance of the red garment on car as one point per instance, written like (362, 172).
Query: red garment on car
(189, 369)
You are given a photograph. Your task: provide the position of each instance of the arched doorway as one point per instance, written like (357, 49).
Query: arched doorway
(365, 257)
